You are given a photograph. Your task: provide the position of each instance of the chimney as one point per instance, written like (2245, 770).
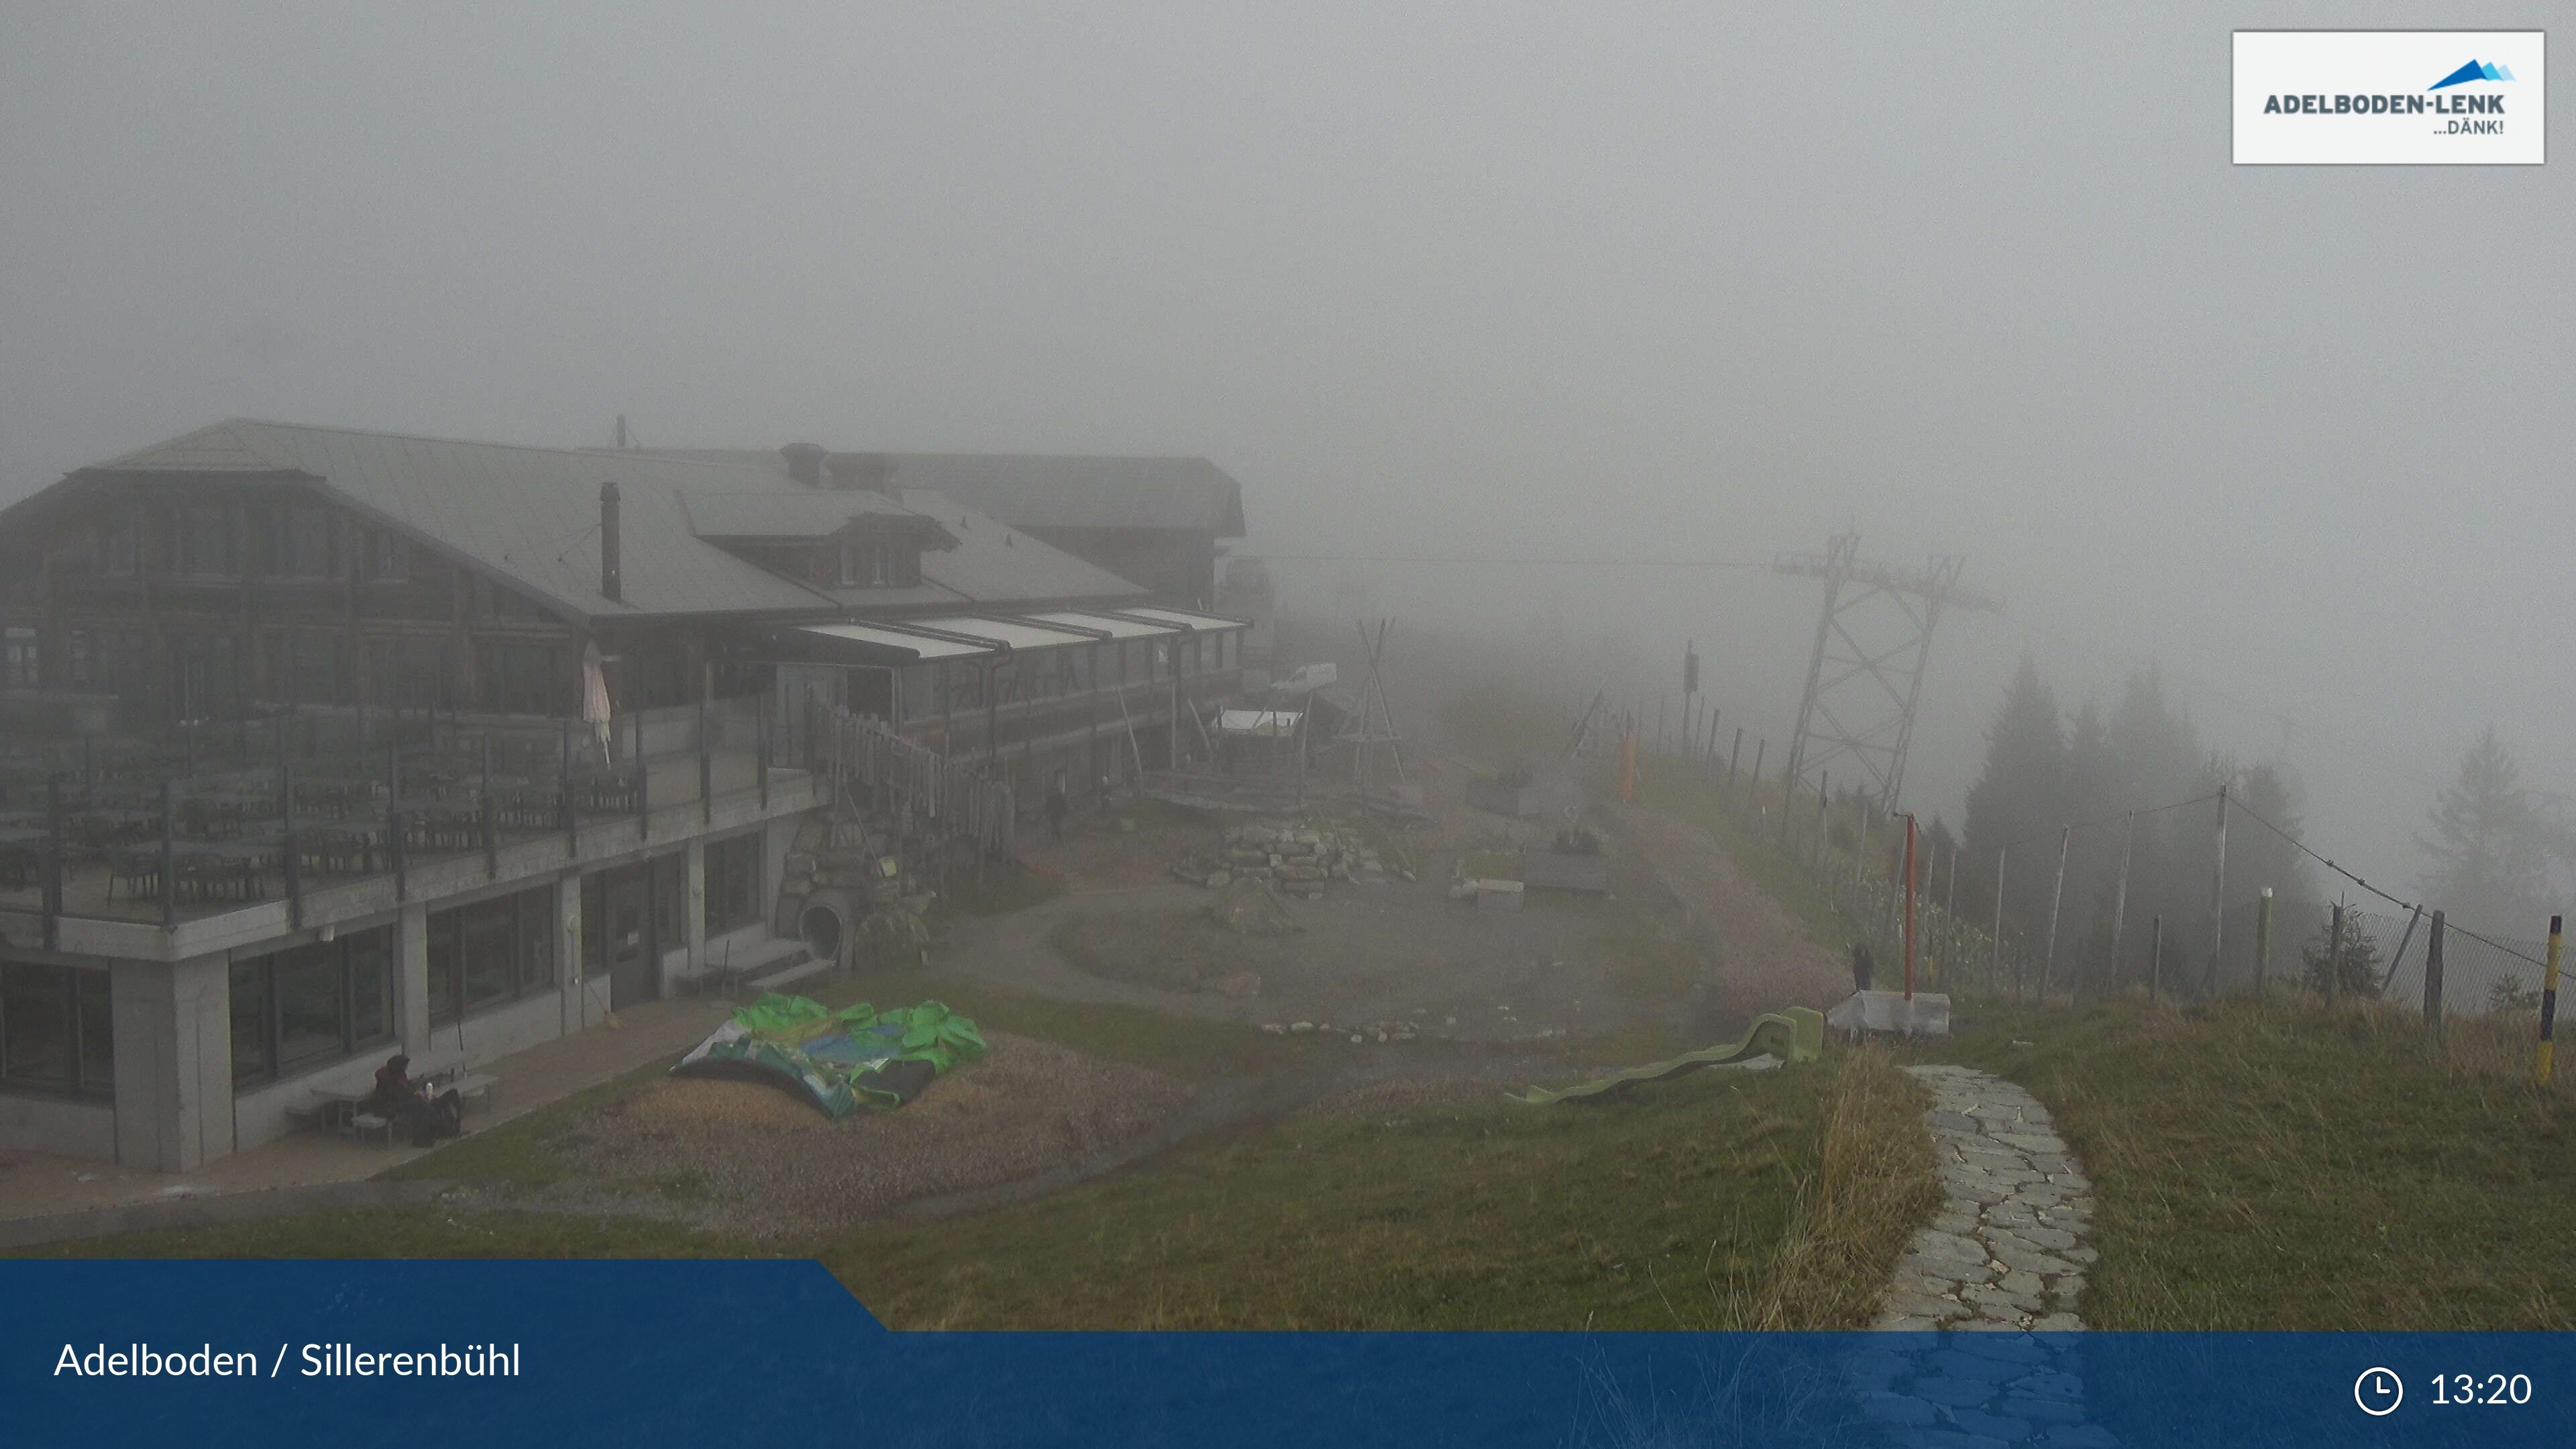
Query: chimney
(870, 471)
(611, 579)
(804, 463)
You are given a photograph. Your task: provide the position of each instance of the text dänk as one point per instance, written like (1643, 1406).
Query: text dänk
(317, 1360)
(2383, 105)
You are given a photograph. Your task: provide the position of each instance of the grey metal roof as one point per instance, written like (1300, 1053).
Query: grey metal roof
(533, 514)
(778, 513)
(1053, 490)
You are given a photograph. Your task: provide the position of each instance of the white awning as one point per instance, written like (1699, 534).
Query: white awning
(920, 646)
(1184, 619)
(1114, 628)
(1009, 631)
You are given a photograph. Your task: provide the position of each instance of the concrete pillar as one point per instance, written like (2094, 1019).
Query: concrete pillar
(411, 977)
(174, 1062)
(576, 1012)
(693, 908)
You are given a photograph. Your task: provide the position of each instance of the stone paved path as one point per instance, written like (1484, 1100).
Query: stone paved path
(2007, 1250)
(2006, 1256)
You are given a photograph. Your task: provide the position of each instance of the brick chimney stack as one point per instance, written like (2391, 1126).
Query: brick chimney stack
(804, 463)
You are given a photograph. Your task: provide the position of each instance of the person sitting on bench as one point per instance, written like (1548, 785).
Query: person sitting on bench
(407, 1103)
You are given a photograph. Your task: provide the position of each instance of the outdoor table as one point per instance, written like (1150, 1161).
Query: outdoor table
(471, 1084)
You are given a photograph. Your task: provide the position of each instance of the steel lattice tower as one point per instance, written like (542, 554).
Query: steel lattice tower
(1860, 704)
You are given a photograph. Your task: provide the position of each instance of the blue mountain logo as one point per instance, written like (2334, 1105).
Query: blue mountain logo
(2473, 71)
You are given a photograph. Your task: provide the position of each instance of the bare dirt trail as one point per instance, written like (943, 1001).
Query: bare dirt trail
(1763, 952)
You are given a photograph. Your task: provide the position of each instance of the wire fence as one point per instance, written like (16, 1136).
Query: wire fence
(1854, 856)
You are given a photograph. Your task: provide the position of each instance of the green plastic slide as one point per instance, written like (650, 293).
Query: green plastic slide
(1795, 1034)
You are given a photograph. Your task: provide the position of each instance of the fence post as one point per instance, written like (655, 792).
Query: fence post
(1824, 812)
(2334, 953)
(53, 861)
(2433, 982)
(2548, 1005)
(2120, 899)
(1753, 782)
(2056, 897)
(2156, 962)
(1733, 755)
(2218, 896)
(2262, 939)
(1995, 965)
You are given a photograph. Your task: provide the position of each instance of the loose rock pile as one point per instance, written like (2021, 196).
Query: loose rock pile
(1299, 860)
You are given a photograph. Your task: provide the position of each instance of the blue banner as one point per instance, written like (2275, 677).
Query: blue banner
(490, 1355)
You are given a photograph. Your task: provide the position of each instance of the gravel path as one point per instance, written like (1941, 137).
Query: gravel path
(2006, 1255)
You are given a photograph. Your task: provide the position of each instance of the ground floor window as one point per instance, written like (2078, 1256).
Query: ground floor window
(412, 671)
(520, 678)
(18, 658)
(57, 1031)
(311, 1005)
(670, 893)
(733, 883)
(490, 952)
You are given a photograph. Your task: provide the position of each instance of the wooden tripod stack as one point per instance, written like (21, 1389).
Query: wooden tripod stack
(1363, 729)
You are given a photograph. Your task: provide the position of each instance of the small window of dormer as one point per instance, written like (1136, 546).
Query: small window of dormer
(869, 565)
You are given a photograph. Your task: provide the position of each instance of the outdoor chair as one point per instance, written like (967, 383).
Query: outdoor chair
(358, 1125)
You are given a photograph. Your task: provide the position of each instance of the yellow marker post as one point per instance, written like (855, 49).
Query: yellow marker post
(2548, 1004)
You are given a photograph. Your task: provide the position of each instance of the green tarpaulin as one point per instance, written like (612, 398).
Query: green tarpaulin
(841, 1060)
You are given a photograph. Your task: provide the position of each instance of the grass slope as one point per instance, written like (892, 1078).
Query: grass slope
(1721, 1201)
(2279, 1164)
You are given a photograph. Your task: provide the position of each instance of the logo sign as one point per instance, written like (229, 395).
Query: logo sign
(2390, 98)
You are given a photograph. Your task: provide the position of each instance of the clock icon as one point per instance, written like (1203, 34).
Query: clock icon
(2378, 1392)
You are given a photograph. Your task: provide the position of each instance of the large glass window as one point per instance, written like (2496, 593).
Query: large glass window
(670, 886)
(57, 1032)
(412, 672)
(918, 684)
(312, 1011)
(490, 952)
(211, 683)
(384, 557)
(311, 1005)
(298, 539)
(94, 1032)
(733, 883)
(310, 668)
(206, 541)
(966, 684)
(120, 545)
(535, 923)
(521, 678)
(18, 658)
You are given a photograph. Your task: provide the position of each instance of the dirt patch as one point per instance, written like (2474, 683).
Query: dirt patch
(1764, 953)
(747, 1158)
(1169, 950)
